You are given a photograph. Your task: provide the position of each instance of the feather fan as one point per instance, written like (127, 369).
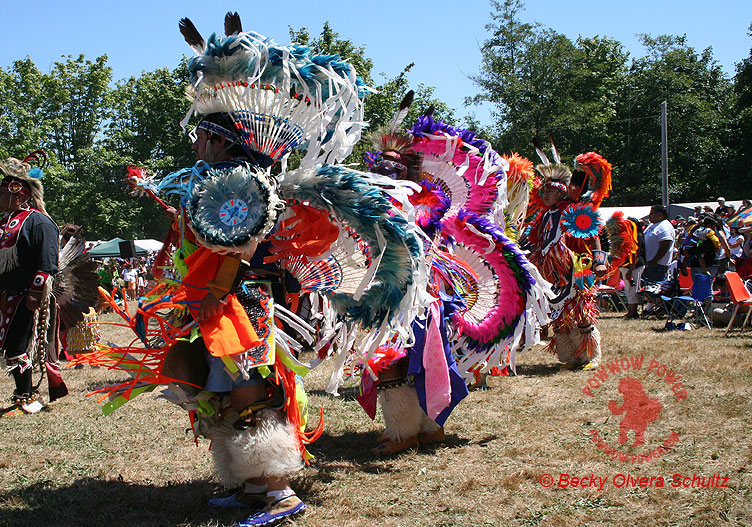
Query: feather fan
(75, 286)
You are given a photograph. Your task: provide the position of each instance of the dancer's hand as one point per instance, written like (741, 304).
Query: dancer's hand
(210, 307)
(33, 301)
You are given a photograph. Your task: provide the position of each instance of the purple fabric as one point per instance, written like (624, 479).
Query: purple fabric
(447, 306)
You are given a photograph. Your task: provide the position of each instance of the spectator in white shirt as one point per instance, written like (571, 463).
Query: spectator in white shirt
(659, 245)
(130, 277)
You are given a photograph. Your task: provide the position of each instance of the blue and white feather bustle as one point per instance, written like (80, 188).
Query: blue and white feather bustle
(392, 290)
(233, 208)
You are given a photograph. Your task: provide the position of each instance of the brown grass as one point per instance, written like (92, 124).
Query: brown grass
(70, 466)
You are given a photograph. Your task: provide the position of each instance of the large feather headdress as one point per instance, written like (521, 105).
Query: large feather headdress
(280, 98)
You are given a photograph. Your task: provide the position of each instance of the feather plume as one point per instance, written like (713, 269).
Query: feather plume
(429, 111)
(598, 171)
(401, 112)
(554, 151)
(466, 167)
(539, 151)
(233, 26)
(191, 35)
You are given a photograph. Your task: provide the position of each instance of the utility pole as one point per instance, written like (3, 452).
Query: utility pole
(664, 155)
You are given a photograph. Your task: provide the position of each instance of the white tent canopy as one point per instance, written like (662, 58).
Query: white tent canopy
(149, 244)
(674, 209)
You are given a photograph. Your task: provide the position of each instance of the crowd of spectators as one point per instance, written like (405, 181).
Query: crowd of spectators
(711, 242)
(126, 276)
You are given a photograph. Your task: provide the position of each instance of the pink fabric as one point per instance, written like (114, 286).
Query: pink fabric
(438, 389)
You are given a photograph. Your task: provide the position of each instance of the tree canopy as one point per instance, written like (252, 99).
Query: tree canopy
(589, 93)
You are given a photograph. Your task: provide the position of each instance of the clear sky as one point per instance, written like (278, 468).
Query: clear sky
(442, 37)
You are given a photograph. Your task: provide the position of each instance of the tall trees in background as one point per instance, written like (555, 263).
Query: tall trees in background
(385, 95)
(590, 95)
(90, 132)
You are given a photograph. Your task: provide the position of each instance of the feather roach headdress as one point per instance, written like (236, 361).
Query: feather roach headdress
(29, 176)
(556, 173)
(400, 159)
(280, 98)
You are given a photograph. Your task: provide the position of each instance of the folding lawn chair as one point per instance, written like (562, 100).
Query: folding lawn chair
(685, 282)
(697, 303)
(610, 291)
(740, 296)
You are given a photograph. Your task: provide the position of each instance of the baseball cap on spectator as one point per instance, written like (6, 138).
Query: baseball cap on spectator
(721, 199)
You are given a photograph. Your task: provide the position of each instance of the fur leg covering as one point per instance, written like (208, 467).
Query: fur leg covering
(594, 347)
(428, 425)
(268, 449)
(403, 416)
(565, 345)
(579, 346)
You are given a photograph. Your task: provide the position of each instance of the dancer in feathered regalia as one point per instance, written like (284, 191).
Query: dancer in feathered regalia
(563, 237)
(247, 246)
(487, 296)
(34, 281)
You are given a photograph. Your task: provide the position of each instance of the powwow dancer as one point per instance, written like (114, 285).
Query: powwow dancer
(221, 349)
(31, 286)
(483, 304)
(564, 243)
(28, 261)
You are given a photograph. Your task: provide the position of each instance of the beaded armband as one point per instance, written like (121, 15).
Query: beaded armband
(40, 280)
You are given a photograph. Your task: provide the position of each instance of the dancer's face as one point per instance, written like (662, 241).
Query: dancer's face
(10, 200)
(200, 144)
(551, 196)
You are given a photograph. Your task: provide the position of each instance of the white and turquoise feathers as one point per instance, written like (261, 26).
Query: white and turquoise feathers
(275, 89)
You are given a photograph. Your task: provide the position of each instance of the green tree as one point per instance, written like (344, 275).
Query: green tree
(739, 171)
(76, 105)
(23, 126)
(146, 112)
(380, 104)
(590, 96)
(699, 104)
(541, 82)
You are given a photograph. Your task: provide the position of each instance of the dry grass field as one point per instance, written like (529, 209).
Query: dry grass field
(70, 466)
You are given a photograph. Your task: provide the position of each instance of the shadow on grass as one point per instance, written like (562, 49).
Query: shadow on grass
(537, 370)
(353, 447)
(94, 502)
(345, 394)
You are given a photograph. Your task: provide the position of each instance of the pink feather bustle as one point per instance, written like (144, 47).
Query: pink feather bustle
(479, 194)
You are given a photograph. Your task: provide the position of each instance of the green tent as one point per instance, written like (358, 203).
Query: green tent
(111, 249)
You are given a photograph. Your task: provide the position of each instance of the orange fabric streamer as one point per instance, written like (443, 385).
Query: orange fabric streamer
(287, 378)
(228, 333)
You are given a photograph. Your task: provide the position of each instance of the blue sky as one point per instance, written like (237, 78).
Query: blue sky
(441, 37)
